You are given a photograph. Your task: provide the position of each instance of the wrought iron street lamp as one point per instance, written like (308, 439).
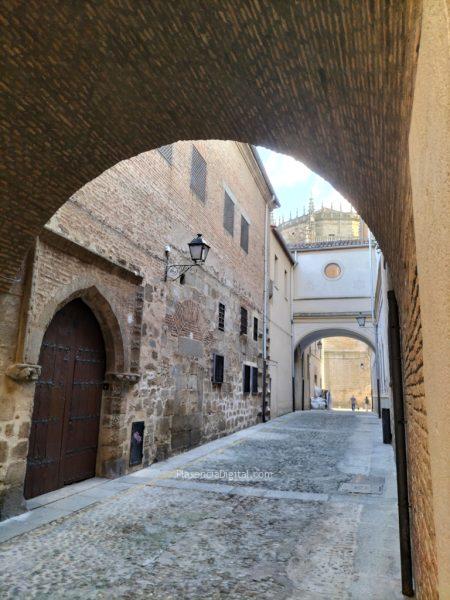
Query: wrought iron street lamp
(198, 250)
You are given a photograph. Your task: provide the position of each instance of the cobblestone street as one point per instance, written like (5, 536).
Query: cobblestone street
(319, 522)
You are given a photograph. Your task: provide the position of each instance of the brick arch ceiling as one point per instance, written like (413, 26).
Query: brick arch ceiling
(91, 83)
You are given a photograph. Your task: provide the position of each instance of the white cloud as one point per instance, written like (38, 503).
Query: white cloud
(284, 171)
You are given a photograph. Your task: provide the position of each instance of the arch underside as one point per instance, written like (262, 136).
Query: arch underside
(91, 84)
(319, 334)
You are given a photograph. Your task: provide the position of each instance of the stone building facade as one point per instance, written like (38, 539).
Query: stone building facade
(163, 339)
(322, 225)
(347, 371)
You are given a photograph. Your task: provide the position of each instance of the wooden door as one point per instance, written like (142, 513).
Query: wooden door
(67, 402)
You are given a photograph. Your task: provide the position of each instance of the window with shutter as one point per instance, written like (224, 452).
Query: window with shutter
(218, 368)
(244, 321)
(228, 214)
(166, 152)
(198, 174)
(255, 374)
(244, 234)
(221, 324)
(246, 377)
(255, 329)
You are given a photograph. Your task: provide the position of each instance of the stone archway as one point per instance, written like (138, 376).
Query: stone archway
(350, 380)
(306, 79)
(325, 332)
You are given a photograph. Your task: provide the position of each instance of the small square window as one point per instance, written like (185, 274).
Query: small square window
(218, 368)
(255, 329)
(255, 375)
(247, 375)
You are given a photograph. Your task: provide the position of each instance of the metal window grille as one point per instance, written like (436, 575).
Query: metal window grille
(228, 214)
(244, 234)
(255, 374)
(244, 321)
(221, 316)
(218, 368)
(198, 174)
(247, 374)
(166, 152)
(255, 329)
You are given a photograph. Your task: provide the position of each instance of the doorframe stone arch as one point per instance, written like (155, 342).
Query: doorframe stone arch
(96, 297)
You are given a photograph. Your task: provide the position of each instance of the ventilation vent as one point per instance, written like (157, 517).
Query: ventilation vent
(221, 324)
(244, 234)
(166, 152)
(198, 174)
(228, 214)
(244, 321)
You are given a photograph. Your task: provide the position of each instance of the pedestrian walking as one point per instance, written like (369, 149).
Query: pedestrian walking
(353, 403)
(366, 403)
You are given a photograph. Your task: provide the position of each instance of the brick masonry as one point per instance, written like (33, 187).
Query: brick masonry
(330, 83)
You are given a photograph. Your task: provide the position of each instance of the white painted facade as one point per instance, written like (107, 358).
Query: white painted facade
(281, 267)
(325, 306)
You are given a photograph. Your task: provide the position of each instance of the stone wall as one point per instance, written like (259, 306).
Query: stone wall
(160, 336)
(347, 371)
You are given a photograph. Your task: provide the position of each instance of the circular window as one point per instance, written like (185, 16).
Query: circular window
(332, 271)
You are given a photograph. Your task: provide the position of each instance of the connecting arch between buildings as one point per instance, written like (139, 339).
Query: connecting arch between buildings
(326, 332)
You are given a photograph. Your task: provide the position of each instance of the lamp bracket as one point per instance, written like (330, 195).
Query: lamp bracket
(174, 272)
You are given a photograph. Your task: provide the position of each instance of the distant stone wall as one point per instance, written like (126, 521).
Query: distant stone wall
(347, 371)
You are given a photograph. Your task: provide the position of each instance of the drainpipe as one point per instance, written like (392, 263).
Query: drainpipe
(400, 445)
(303, 379)
(265, 310)
(375, 324)
(291, 312)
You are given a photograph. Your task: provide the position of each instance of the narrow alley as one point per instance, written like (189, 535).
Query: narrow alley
(301, 507)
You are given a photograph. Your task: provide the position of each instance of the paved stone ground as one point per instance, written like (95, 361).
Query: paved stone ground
(203, 525)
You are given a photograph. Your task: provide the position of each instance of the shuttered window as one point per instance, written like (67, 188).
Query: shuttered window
(244, 321)
(198, 174)
(255, 374)
(246, 379)
(228, 214)
(244, 234)
(218, 368)
(221, 324)
(166, 152)
(255, 329)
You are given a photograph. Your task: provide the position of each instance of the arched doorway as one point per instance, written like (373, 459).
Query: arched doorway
(67, 401)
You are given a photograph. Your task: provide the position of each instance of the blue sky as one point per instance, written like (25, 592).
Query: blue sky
(294, 184)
